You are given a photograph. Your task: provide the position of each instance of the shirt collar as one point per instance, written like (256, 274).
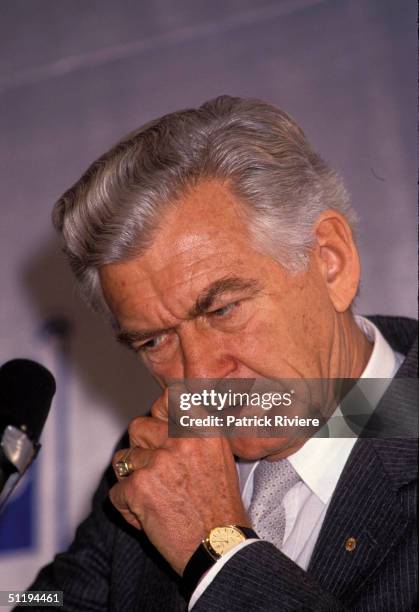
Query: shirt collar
(383, 362)
(320, 462)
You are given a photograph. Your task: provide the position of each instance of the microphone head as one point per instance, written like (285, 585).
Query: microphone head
(26, 392)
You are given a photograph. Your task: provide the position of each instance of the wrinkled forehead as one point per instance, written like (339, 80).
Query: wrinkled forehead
(202, 238)
(208, 212)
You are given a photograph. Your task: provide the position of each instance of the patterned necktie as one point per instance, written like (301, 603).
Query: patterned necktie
(272, 480)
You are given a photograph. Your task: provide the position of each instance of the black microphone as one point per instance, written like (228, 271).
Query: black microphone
(26, 392)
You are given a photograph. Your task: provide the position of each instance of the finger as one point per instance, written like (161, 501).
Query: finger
(147, 432)
(116, 495)
(192, 425)
(160, 409)
(137, 458)
(134, 458)
(121, 463)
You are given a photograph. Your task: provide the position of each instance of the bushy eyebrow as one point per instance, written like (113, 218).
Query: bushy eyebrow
(230, 284)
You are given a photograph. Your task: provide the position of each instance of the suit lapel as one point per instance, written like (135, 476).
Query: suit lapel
(366, 505)
(365, 510)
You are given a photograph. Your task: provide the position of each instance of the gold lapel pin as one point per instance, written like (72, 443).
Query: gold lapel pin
(350, 544)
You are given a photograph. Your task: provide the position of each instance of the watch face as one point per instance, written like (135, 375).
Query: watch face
(223, 539)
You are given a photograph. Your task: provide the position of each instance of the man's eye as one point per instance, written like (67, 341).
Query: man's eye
(152, 344)
(224, 311)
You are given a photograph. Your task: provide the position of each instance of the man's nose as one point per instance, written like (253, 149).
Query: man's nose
(206, 355)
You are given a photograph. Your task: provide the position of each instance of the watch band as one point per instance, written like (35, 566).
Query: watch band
(202, 560)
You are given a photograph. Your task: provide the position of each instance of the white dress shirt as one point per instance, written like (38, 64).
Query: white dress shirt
(319, 464)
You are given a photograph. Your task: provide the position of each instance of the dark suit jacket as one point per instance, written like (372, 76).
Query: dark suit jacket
(110, 566)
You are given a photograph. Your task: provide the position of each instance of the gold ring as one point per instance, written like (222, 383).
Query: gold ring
(124, 466)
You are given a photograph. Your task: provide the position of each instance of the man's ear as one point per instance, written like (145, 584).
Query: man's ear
(337, 258)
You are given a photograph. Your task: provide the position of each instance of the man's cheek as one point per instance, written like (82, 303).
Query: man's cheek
(265, 336)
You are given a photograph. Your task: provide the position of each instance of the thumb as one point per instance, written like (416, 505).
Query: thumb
(160, 408)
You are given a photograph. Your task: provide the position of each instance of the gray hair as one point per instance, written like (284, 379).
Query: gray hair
(258, 150)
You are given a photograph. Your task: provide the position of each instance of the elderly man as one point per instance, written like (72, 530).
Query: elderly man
(221, 246)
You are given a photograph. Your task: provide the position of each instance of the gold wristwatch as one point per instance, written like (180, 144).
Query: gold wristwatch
(219, 541)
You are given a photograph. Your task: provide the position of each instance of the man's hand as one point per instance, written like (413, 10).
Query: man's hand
(181, 487)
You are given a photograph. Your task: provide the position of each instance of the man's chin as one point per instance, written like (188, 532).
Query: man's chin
(252, 449)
